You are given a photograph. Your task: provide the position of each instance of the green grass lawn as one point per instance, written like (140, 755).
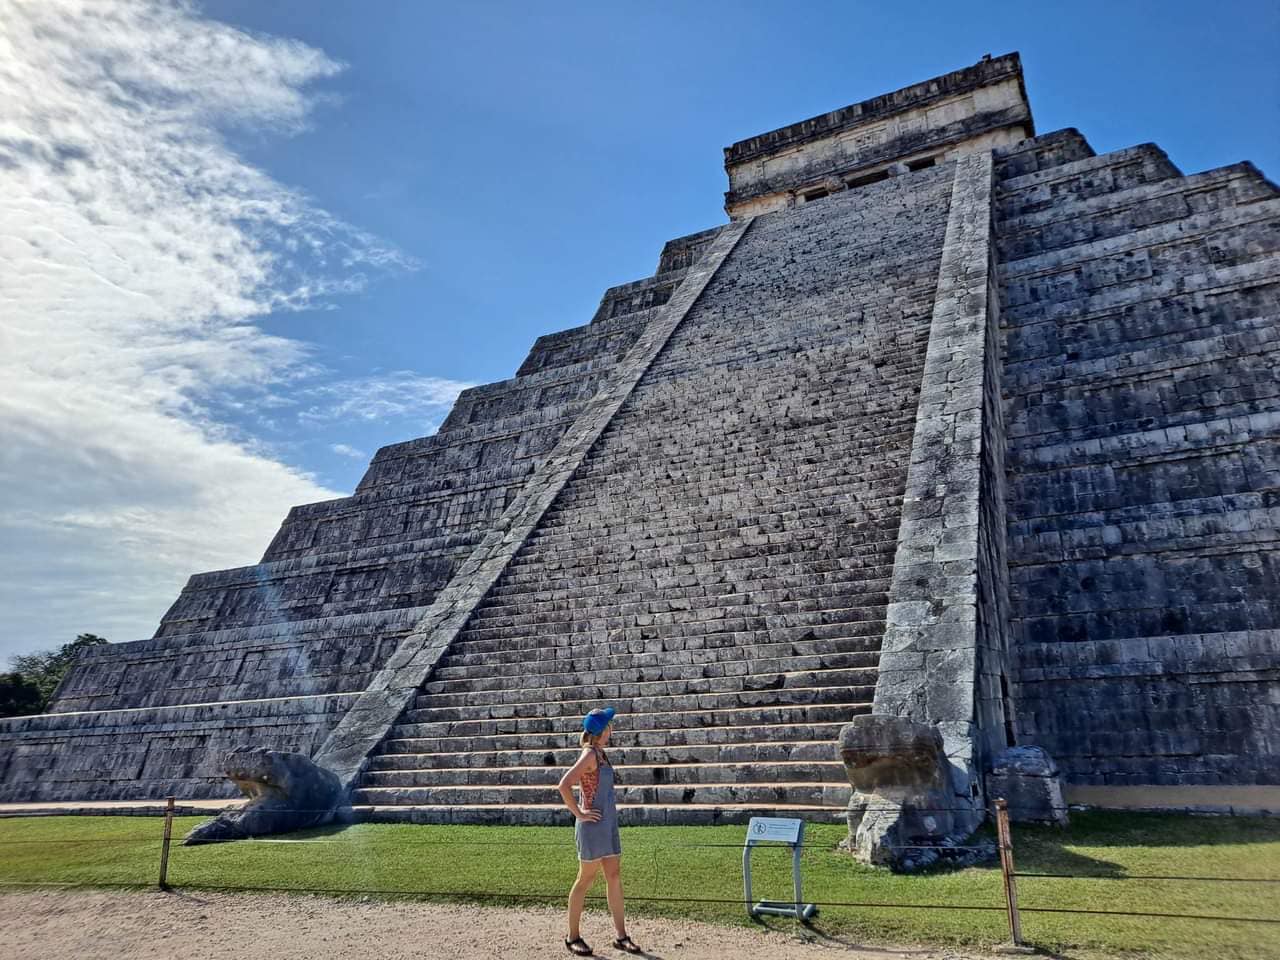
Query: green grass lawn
(1111, 850)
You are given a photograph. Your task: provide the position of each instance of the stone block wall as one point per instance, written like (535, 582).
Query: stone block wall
(328, 655)
(966, 111)
(1142, 326)
(152, 752)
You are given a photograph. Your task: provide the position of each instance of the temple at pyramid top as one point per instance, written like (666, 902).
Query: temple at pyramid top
(981, 107)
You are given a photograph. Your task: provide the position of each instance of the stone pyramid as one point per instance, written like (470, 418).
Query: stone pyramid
(951, 422)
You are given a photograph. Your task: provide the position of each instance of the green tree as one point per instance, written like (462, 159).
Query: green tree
(46, 668)
(19, 696)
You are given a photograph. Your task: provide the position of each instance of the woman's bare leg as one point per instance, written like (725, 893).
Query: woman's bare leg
(578, 895)
(613, 880)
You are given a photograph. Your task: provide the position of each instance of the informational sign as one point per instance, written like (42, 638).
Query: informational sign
(777, 829)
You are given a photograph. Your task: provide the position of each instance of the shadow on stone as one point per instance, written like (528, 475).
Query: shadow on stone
(286, 792)
(1027, 779)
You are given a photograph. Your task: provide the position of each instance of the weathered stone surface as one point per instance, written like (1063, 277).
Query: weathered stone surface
(945, 645)
(967, 111)
(286, 792)
(1142, 325)
(901, 787)
(152, 752)
(1027, 779)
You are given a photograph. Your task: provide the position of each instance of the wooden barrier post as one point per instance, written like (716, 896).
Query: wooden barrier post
(1005, 842)
(164, 849)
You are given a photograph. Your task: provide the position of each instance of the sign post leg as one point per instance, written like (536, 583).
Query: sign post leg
(795, 873)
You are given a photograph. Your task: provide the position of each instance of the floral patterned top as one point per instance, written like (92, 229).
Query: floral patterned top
(590, 781)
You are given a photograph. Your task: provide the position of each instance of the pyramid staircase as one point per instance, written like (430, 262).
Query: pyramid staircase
(732, 663)
(709, 735)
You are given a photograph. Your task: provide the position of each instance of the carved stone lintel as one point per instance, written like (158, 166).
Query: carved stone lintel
(286, 792)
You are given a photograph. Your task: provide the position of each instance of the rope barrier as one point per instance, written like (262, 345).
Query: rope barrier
(737, 847)
(1145, 876)
(1138, 913)
(89, 840)
(1003, 844)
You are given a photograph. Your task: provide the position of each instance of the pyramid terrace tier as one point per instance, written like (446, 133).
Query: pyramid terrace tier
(1141, 310)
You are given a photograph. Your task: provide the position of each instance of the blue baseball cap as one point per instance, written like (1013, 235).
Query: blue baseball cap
(595, 721)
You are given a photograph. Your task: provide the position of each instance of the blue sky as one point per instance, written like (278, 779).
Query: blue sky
(251, 242)
(530, 155)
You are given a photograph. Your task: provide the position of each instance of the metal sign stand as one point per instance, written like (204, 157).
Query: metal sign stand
(776, 830)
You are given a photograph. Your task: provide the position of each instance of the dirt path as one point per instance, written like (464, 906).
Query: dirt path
(218, 926)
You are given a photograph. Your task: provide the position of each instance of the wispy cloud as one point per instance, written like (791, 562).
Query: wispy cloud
(343, 450)
(401, 395)
(137, 251)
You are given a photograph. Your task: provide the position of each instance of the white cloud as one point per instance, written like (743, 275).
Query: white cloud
(343, 450)
(136, 251)
(401, 395)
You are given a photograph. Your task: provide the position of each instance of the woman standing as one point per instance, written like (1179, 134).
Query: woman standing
(596, 831)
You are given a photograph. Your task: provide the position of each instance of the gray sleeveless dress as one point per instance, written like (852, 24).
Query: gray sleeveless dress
(600, 839)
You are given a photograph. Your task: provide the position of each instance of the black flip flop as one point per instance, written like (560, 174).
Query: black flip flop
(578, 947)
(627, 945)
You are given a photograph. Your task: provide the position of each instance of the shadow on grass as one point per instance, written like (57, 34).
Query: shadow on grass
(1128, 828)
(814, 933)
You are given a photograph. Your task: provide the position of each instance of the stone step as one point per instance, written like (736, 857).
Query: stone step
(1152, 202)
(564, 534)
(612, 552)
(805, 793)
(545, 605)
(1044, 152)
(487, 676)
(560, 628)
(630, 706)
(587, 685)
(1138, 245)
(1152, 162)
(619, 647)
(563, 526)
(406, 757)
(1101, 306)
(690, 774)
(721, 722)
(555, 814)
(404, 739)
(1082, 367)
